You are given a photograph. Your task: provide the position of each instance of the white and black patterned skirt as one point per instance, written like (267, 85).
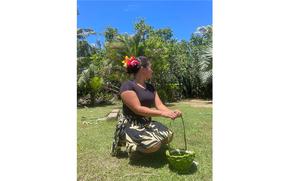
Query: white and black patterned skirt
(139, 134)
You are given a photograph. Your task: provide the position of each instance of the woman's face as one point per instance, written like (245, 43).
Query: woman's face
(147, 72)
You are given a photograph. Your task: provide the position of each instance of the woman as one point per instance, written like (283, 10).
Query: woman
(135, 129)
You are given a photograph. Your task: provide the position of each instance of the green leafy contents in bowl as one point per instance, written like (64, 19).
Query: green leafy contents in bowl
(180, 160)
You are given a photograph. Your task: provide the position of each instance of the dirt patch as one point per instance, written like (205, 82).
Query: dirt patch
(198, 103)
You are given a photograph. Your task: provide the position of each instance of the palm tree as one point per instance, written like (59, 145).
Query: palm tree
(84, 49)
(126, 45)
(206, 65)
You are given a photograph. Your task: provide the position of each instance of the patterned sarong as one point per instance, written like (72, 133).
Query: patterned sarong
(139, 134)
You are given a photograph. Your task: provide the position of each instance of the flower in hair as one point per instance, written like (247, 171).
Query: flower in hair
(130, 62)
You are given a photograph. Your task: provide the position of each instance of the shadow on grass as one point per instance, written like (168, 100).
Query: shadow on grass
(122, 154)
(153, 160)
(190, 171)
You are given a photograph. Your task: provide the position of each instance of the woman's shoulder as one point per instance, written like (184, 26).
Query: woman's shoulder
(127, 85)
(127, 82)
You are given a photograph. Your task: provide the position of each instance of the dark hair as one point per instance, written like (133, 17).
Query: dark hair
(144, 62)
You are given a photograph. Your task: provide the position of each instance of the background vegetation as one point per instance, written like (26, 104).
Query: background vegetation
(182, 69)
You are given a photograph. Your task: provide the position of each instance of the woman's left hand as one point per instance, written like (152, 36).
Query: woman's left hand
(178, 113)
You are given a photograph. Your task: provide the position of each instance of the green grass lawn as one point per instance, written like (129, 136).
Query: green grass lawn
(95, 139)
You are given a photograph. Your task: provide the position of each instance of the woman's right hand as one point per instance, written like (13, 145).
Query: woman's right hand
(169, 114)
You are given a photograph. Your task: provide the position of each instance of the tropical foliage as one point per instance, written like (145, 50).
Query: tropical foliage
(182, 69)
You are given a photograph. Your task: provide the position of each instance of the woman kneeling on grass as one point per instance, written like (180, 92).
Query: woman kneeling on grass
(135, 129)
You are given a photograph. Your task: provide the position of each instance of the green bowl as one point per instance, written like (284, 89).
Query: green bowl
(180, 160)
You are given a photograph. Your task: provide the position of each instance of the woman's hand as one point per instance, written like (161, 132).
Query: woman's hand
(169, 114)
(178, 113)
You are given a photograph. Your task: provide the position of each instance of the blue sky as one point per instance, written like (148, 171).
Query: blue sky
(183, 17)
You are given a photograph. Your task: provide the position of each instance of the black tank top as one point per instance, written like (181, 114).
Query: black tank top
(146, 96)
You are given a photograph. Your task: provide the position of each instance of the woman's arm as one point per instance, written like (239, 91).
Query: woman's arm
(160, 106)
(131, 100)
(158, 103)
